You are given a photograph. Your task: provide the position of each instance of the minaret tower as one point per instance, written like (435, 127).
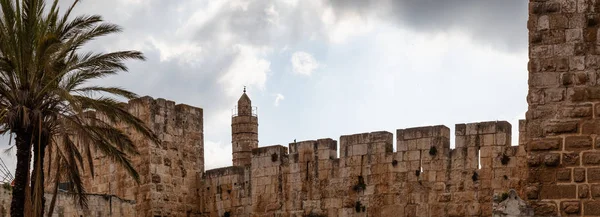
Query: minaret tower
(244, 129)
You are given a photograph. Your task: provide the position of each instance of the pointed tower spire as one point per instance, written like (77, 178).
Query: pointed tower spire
(244, 127)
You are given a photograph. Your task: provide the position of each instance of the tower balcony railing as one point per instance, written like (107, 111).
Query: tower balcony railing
(254, 113)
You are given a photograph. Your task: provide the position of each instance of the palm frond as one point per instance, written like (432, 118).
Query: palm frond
(117, 91)
(45, 92)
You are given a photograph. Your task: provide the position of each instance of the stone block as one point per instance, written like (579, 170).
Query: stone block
(595, 191)
(555, 94)
(558, 192)
(561, 127)
(552, 159)
(456, 210)
(593, 175)
(571, 207)
(544, 144)
(579, 174)
(545, 209)
(591, 158)
(413, 155)
(358, 150)
(543, 23)
(542, 51)
(424, 143)
(563, 175)
(578, 143)
(460, 129)
(574, 35)
(591, 208)
(502, 139)
(472, 129)
(381, 136)
(583, 191)
(534, 160)
(583, 94)
(401, 145)
(474, 209)
(532, 192)
(570, 159)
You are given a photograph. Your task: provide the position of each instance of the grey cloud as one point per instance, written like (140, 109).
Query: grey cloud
(252, 26)
(493, 22)
(194, 83)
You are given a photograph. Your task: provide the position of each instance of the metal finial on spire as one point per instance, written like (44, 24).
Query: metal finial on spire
(244, 89)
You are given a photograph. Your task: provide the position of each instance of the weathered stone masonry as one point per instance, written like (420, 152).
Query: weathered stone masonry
(423, 178)
(555, 167)
(562, 121)
(169, 172)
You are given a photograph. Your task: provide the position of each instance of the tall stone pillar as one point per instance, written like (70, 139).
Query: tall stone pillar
(563, 119)
(244, 129)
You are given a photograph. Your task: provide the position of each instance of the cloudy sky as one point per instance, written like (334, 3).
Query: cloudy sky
(324, 68)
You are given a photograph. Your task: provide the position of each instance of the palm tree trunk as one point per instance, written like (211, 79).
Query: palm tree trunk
(37, 193)
(23, 143)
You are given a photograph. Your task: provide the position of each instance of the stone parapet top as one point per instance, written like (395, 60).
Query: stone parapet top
(237, 170)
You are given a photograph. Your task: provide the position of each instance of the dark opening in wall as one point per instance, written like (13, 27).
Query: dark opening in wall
(315, 215)
(64, 186)
(505, 159)
(504, 196)
(475, 176)
(432, 151)
(360, 185)
(358, 207)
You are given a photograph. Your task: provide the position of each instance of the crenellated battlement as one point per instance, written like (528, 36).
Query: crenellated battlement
(424, 176)
(168, 171)
(435, 179)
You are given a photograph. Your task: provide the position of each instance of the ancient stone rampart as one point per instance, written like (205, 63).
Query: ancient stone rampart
(98, 205)
(169, 172)
(564, 107)
(424, 177)
(555, 168)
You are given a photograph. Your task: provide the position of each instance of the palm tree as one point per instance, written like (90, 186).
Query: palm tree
(46, 97)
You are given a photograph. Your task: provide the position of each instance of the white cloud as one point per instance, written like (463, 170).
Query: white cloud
(239, 4)
(216, 154)
(203, 52)
(304, 63)
(278, 98)
(184, 52)
(272, 15)
(339, 30)
(247, 69)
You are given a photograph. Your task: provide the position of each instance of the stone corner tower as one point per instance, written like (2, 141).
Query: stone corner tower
(244, 131)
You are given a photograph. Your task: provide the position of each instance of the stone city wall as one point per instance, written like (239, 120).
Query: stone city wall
(169, 172)
(98, 205)
(555, 168)
(564, 107)
(424, 177)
